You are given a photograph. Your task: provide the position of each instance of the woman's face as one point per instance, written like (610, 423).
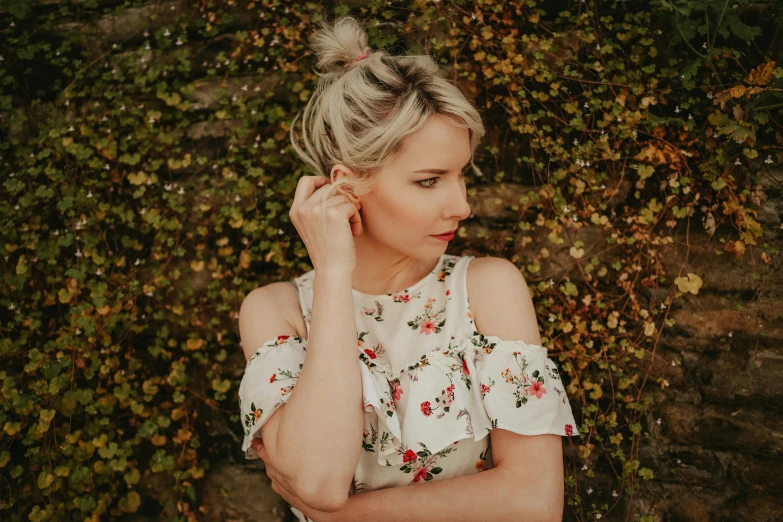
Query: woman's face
(419, 194)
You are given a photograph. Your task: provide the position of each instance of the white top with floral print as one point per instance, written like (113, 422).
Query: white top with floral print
(433, 387)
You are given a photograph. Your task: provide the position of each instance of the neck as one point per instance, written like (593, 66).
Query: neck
(381, 270)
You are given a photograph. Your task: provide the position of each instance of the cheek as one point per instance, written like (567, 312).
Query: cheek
(398, 210)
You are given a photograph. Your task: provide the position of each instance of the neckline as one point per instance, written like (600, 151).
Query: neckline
(415, 286)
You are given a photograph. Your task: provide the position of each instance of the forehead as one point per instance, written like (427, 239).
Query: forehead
(438, 143)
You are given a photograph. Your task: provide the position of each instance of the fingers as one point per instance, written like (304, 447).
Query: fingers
(306, 186)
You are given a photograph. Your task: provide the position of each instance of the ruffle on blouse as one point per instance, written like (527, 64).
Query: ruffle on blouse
(462, 392)
(465, 391)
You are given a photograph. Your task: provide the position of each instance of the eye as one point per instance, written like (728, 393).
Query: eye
(426, 183)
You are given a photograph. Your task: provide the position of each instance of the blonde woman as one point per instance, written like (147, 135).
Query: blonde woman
(392, 364)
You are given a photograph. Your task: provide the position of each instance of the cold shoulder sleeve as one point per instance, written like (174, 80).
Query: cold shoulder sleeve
(270, 376)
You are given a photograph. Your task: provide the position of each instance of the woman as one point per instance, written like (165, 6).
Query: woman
(404, 377)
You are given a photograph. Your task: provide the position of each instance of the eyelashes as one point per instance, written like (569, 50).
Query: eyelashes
(425, 183)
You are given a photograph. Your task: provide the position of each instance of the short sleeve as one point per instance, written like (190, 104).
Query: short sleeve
(270, 376)
(520, 387)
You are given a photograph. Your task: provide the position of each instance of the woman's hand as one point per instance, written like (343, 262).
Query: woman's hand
(341, 221)
(282, 487)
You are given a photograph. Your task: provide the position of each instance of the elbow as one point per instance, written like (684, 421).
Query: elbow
(551, 511)
(323, 496)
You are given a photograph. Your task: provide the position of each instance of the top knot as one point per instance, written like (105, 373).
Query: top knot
(339, 45)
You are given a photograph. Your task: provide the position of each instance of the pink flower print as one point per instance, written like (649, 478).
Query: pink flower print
(448, 292)
(282, 338)
(272, 378)
(420, 474)
(465, 367)
(425, 408)
(257, 415)
(365, 433)
(397, 393)
(409, 456)
(427, 327)
(569, 430)
(370, 353)
(485, 389)
(479, 465)
(402, 298)
(537, 389)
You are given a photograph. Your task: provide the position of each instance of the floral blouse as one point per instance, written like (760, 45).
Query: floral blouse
(433, 387)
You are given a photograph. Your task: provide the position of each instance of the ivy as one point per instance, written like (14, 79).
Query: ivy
(147, 177)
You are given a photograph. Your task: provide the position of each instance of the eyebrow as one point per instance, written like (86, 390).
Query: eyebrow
(437, 171)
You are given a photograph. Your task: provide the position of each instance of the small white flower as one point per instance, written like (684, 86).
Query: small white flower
(658, 422)
(238, 198)
(584, 467)
(674, 363)
(181, 191)
(677, 109)
(597, 516)
(244, 88)
(709, 95)
(769, 159)
(78, 253)
(113, 46)
(280, 232)
(106, 167)
(12, 307)
(70, 129)
(551, 283)
(589, 490)
(679, 461)
(663, 306)
(146, 48)
(179, 41)
(614, 493)
(146, 33)
(260, 184)
(619, 119)
(565, 209)
(731, 334)
(690, 116)
(167, 33)
(89, 194)
(603, 186)
(704, 45)
(738, 162)
(78, 331)
(472, 16)
(598, 47)
(143, 211)
(586, 106)
(138, 262)
(576, 142)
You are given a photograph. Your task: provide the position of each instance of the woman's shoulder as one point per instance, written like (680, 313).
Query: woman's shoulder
(281, 296)
(486, 278)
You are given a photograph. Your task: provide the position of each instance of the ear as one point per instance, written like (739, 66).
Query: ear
(340, 171)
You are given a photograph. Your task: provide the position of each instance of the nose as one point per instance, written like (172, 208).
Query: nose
(457, 205)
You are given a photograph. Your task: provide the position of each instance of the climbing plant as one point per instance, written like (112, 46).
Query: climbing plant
(147, 177)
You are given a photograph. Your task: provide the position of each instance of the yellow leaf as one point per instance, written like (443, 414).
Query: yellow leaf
(690, 283)
(197, 266)
(194, 344)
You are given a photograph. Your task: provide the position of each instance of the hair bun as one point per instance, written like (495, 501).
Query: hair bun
(340, 45)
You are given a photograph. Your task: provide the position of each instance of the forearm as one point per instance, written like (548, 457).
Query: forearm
(320, 431)
(489, 495)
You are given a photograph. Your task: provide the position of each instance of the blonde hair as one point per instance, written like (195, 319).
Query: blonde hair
(363, 107)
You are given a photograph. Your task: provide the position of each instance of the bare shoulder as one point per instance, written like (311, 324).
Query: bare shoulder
(500, 300)
(267, 312)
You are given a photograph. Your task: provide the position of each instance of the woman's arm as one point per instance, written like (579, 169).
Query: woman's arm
(320, 427)
(495, 494)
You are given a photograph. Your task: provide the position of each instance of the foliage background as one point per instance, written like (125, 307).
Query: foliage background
(147, 177)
